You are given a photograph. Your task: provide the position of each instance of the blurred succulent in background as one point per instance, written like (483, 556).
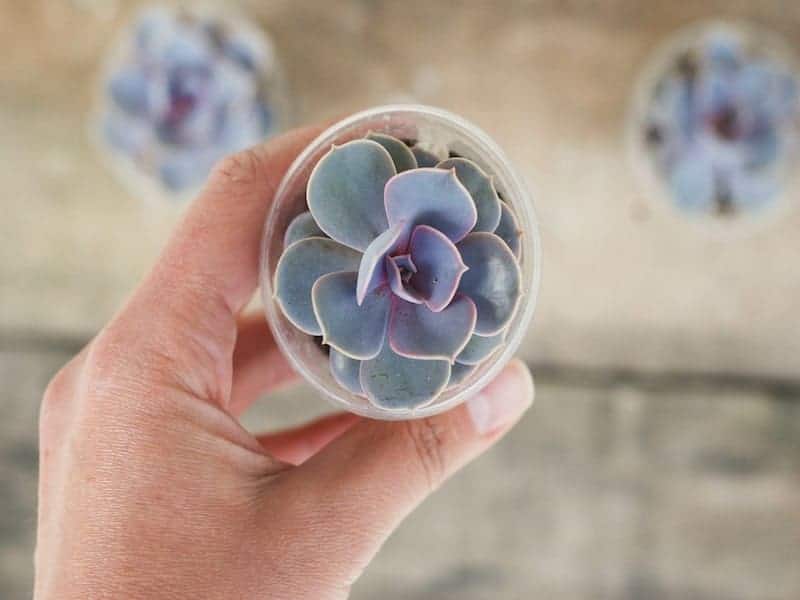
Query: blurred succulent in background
(409, 273)
(185, 90)
(721, 121)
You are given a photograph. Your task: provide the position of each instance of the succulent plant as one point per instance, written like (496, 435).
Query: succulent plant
(406, 265)
(720, 121)
(186, 90)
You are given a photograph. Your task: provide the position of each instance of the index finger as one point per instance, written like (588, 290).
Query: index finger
(184, 313)
(219, 239)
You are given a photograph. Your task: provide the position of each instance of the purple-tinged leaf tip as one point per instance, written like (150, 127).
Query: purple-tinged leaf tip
(480, 187)
(372, 270)
(430, 197)
(493, 281)
(345, 192)
(357, 331)
(439, 266)
(394, 382)
(299, 267)
(419, 333)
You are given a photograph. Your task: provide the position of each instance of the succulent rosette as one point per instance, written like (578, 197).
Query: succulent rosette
(405, 265)
(721, 121)
(184, 90)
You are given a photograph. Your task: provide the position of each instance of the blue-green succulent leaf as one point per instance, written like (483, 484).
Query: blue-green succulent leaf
(356, 330)
(372, 270)
(508, 229)
(302, 226)
(345, 192)
(459, 372)
(479, 348)
(480, 187)
(432, 197)
(425, 158)
(345, 371)
(402, 156)
(395, 382)
(299, 267)
(439, 266)
(492, 281)
(417, 332)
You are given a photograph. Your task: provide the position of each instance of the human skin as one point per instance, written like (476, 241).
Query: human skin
(149, 487)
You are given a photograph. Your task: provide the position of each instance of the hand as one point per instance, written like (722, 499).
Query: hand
(149, 486)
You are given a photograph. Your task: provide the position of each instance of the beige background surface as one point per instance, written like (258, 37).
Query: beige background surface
(626, 282)
(662, 459)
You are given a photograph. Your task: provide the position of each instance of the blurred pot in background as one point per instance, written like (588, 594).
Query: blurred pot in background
(717, 120)
(182, 89)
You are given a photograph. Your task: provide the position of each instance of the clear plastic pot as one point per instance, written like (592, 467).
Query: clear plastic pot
(435, 130)
(661, 135)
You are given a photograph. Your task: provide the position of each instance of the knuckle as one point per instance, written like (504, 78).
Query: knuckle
(114, 372)
(122, 365)
(428, 442)
(57, 388)
(57, 392)
(105, 356)
(241, 169)
(60, 392)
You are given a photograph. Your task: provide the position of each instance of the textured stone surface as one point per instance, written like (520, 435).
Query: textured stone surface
(607, 489)
(619, 493)
(626, 283)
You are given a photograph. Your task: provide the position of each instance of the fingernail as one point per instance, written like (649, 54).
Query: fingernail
(502, 401)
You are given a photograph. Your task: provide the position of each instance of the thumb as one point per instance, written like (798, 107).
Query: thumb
(355, 492)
